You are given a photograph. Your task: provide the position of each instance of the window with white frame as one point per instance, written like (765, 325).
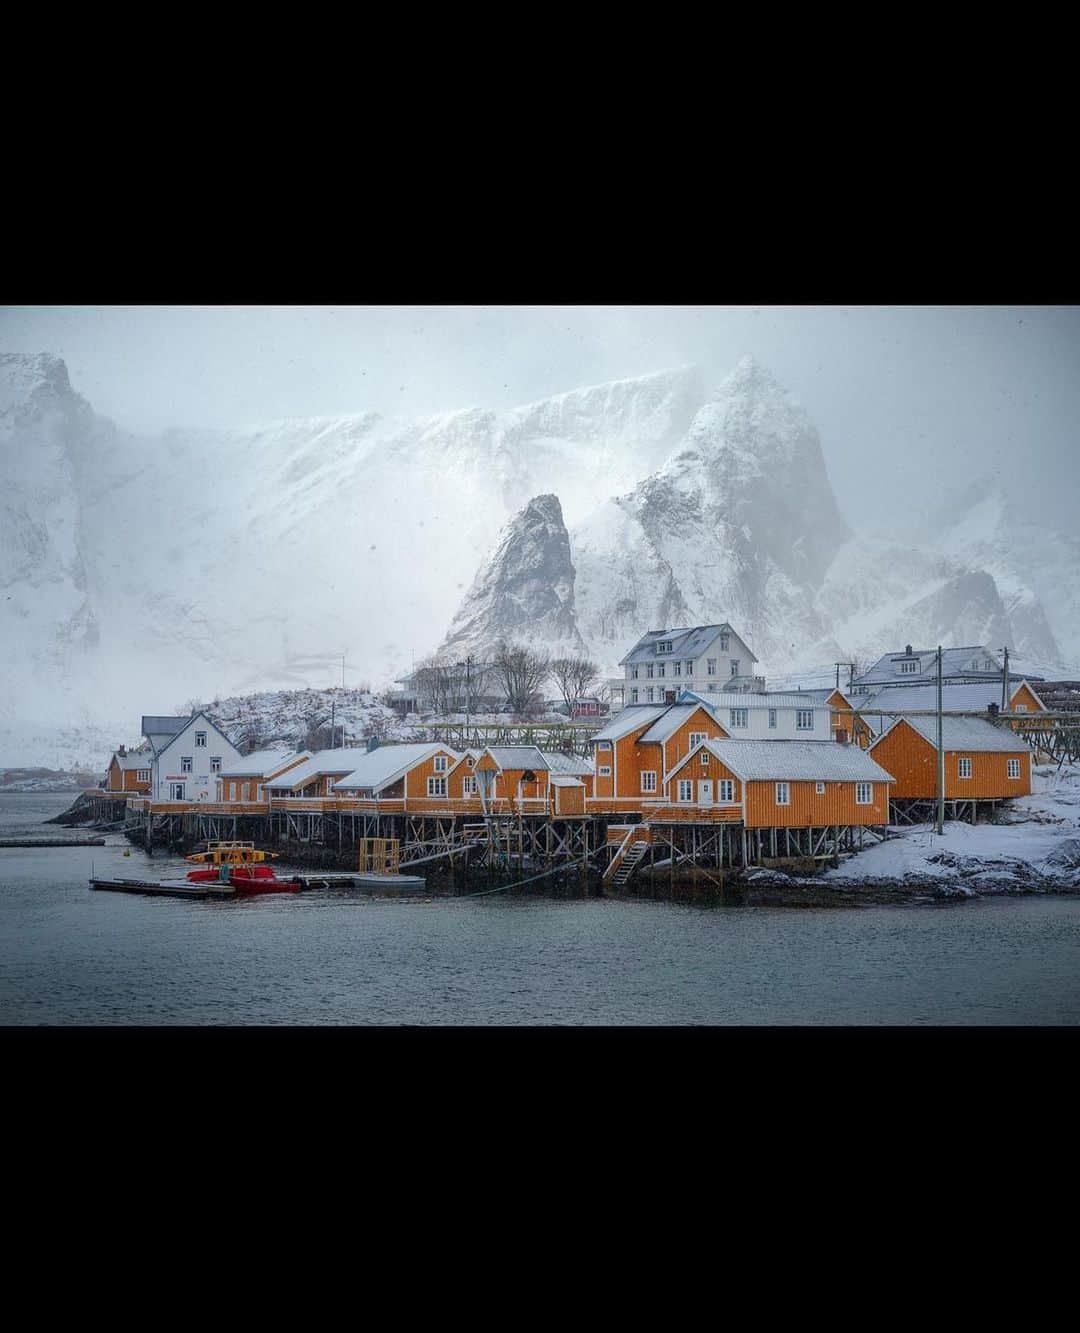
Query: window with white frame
(603, 745)
(185, 764)
(660, 668)
(739, 717)
(704, 756)
(648, 779)
(664, 647)
(686, 790)
(215, 763)
(735, 664)
(648, 694)
(142, 775)
(725, 642)
(633, 696)
(783, 793)
(710, 666)
(440, 763)
(819, 788)
(633, 673)
(677, 669)
(864, 793)
(469, 761)
(1020, 708)
(468, 785)
(604, 770)
(689, 668)
(200, 738)
(1014, 768)
(436, 786)
(963, 768)
(648, 671)
(726, 789)
(696, 737)
(909, 668)
(772, 718)
(804, 719)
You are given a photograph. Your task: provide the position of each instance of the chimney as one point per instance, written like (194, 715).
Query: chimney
(907, 649)
(121, 752)
(841, 736)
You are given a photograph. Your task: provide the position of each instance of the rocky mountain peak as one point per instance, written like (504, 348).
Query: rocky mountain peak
(525, 591)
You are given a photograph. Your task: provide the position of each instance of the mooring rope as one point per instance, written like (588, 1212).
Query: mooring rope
(520, 883)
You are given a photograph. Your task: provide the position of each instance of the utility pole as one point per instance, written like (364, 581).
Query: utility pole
(940, 754)
(333, 707)
(1005, 683)
(342, 670)
(468, 692)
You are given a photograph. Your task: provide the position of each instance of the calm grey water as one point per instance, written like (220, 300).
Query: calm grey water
(70, 955)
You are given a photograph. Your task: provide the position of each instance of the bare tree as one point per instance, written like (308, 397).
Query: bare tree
(434, 681)
(575, 677)
(520, 671)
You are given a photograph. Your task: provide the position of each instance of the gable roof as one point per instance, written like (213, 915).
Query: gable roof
(567, 764)
(684, 643)
(262, 763)
(972, 697)
(954, 662)
(162, 727)
(322, 763)
(133, 759)
(666, 726)
(517, 756)
(168, 740)
(628, 720)
(792, 761)
(379, 767)
(739, 699)
(973, 734)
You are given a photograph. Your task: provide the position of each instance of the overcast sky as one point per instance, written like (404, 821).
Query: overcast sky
(924, 395)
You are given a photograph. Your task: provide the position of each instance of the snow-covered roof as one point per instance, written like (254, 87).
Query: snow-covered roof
(735, 699)
(565, 780)
(793, 761)
(666, 726)
(976, 662)
(339, 761)
(963, 733)
(517, 756)
(689, 643)
(134, 759)
(261, 762)
(164, 726)
(567, 764)
(628, 720)
(378, 768)
(973, 697)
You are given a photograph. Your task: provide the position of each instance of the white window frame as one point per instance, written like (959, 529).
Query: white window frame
(909, 668)
(772, 718)
(677, 667)
(660, 669)
(186, 763)
(725, 642)
(710, 666)
(690, 668)
(177, 790)
(469, 786)
(433, 784)
(604, 771)
(800, 715)
(633, 696)
(200, 739)
(737, 713)
(648, 670)
(819, 789)
(603, 745)
(725, 789)
(704, 757)
(664, 647)
(648, 780)
(696, 737)
(1020, 708)
(864, 793)
(142, 775)
(441, 763)
(685, 790)
(963, 767)
(633, 673)
(1012, 768)
(735, 664)
(215, 763)
(783, 793)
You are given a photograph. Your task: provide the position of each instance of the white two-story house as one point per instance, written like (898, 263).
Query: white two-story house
(708, 659)
(747, 716)
(187, 761)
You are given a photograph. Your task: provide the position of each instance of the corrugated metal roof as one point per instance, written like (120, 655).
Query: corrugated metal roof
(631, 717)
(164, 726)
(665, 727)
(322, 762)
(964, 734)
(731, 699)
(954, 661)
(794, 761)
(378, 767)
(517, 756)
(261, 761)
(566, 763)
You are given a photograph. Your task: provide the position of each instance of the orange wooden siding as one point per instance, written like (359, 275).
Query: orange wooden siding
(856, 728)
(702, 768)
(912, 761)
(568, 800)
(1026, 699)
(416, 779)
(811, 809)
(629, 758)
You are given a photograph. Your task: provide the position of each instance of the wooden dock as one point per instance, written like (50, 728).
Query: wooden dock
(381, 886)
(52, 842)
(167, 888)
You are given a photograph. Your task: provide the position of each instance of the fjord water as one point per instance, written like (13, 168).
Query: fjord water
(69, 955)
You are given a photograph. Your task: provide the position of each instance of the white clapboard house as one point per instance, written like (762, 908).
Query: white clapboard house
(187, 759)
(709, 659)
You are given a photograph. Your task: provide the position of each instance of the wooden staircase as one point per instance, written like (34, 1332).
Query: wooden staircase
(635, 843)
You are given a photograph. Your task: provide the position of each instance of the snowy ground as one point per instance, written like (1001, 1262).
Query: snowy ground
(1036, 845)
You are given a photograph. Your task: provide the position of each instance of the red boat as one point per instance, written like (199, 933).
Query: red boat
(248, 879)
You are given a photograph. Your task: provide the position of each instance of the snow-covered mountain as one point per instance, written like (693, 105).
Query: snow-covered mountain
(139, 571)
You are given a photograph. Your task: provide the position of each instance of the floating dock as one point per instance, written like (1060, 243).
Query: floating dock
(52, 842)
(167, 888)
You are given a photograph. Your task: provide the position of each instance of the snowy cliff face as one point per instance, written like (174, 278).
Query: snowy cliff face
(739, 523)
(525, 591)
